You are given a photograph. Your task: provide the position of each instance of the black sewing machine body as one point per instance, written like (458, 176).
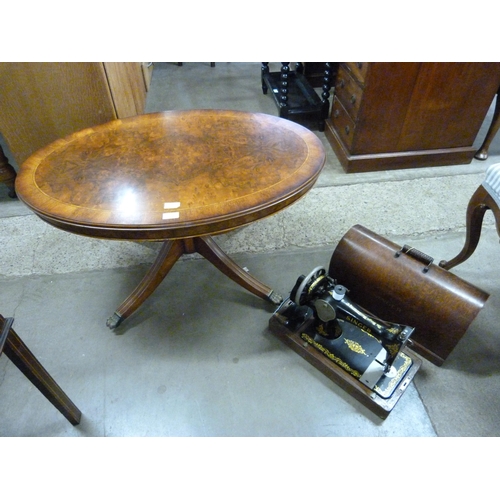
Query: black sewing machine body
(366, 347)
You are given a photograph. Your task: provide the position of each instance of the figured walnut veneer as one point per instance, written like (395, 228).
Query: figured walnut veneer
(176, 176)
(224, 168)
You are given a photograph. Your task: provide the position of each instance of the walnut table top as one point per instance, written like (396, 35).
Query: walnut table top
(175, 176)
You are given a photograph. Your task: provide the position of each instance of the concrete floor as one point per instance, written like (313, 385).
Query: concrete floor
(198, 359)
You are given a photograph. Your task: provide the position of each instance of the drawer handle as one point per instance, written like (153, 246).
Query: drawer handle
(353, 99)
(359, 65)
(341, 83)
(336, 113)
(347, 129)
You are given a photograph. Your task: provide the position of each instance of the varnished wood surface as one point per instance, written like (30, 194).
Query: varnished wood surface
(480, 202)
(392, 115)
(17, 351)
(127, 87)
(440, 305)
(170, 175)
(43, 101)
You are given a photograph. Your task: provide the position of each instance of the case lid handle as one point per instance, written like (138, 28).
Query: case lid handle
(416, 254)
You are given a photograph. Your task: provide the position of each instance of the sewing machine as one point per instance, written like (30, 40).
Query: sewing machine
(364, 354)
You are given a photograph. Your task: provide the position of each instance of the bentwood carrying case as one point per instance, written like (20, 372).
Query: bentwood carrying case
(402, 285)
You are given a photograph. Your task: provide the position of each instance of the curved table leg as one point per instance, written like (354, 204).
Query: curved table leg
(207, 248)
(478, 204)
(169, 254)
(482, 152)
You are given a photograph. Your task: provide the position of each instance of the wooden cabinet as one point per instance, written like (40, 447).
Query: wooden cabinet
(41, 102)
(401, 115)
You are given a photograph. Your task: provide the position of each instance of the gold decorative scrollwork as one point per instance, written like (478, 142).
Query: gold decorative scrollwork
(395, 380)
(321, 330)
(392, 348)
(331, 356)
(355, 347)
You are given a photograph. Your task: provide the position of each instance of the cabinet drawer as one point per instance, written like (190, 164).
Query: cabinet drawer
(342, 123)
(359, 70)
(348, 92)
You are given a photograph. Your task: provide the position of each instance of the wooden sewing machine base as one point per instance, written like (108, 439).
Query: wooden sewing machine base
(378, 405)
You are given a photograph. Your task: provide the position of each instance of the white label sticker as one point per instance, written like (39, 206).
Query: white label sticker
(170, 215)
(172, 204)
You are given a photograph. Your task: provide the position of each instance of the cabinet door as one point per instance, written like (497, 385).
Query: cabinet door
(448, 105)
(388, 91)
(42, 102)
(127, 86)
(423, 106)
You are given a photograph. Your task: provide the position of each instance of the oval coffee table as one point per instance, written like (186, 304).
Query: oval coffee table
(177, 177)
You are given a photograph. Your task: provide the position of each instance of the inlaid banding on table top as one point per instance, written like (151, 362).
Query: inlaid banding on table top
(215, 164)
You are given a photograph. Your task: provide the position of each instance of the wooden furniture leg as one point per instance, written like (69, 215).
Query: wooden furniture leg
(169, 254)
(22, 357)
(206, 247)
(482, 152)
(480, 202)
(7, 174)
